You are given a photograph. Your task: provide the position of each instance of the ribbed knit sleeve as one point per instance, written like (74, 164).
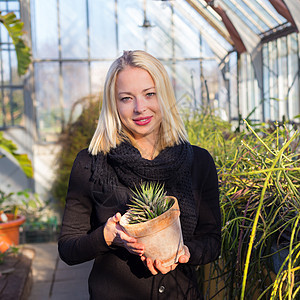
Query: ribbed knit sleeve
(78, 242)
(206, 242)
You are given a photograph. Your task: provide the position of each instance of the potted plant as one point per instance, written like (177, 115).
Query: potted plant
(10, 222)
(153, 219)
(9, 219)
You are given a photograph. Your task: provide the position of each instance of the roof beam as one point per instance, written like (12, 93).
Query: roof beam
(208, 17)
(282, 9)
(250, 40)
(235, 36)
(217, 49)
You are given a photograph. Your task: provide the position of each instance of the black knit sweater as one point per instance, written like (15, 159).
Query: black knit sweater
(116, 274)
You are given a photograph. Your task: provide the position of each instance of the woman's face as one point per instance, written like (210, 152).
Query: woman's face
(137, 103)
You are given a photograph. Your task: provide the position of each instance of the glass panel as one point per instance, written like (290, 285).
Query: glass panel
(273, 80)
(242, 85)
(232, 77)
(266, 8)
(259, 15)
(293, 76)
(282, 77)
(185, 34)
(12, 102)
(16, 79)
(3, 100)
(205, 25)
(75, 86)
(6, 67)
(158, 39)
(49, 109)
(210, 83)
(4, 35)
(188, 84)
(3, 6)
(73, 28)
(13, 5)
(102, 29)
(243, 15)
(130, 19)
(249, 83)
(10, 6)
(12, 99)
(17, 107)
(266, 77)
(44, 28)
(254, 12)
(98, 74)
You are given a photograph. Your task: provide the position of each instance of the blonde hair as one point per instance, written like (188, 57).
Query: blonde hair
(109, 132)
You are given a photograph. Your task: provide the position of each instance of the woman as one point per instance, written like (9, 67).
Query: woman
(139, 137)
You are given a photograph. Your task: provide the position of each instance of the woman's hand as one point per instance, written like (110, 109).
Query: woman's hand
(114, 235)
(156, 266)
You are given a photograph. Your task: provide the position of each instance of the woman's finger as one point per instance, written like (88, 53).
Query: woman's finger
(164, 270)
(186, 257)
(135, 248)
(151, 267)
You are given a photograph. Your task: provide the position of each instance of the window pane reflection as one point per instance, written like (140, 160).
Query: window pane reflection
(293, 67)
(185, 35)
(15, 78)
(188, 84)
(49, 113)
(73, 28)
(75, 86)
(130, 17)
(98, 74)
(12, 107)
(44, 28)
(158, 39)
(102, 29)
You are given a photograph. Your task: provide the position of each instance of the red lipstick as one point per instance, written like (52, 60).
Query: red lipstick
(142, 120)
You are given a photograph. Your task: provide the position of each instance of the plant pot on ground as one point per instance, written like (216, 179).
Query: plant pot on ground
(9, 231)
(14, 209)
(153, 219)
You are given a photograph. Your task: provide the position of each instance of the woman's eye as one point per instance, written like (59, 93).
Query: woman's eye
(125, 99)
(150, 94)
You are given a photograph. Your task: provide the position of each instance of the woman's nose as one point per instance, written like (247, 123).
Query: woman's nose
(139, 105)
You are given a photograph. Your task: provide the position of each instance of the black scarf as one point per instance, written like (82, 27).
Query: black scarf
(172, 167)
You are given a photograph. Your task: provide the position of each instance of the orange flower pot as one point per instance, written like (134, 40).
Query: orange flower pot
(9, 232)
(161, 236)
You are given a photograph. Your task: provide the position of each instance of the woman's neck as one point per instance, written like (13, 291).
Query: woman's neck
(147, 148)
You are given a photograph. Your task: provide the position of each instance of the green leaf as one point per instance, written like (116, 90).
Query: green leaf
(14, 28)
(22, 159)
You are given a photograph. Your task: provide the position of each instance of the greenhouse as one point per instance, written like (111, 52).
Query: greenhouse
(234, 66)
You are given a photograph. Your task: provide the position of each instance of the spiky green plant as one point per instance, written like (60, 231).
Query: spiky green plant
(148, 202)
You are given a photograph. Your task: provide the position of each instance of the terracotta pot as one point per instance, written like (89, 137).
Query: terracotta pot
(161, 236)
(9, 232)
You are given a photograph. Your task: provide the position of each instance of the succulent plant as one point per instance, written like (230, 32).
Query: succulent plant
(148, 202)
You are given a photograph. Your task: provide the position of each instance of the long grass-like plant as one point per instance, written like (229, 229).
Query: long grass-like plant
(260, 203)
(259, 175)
